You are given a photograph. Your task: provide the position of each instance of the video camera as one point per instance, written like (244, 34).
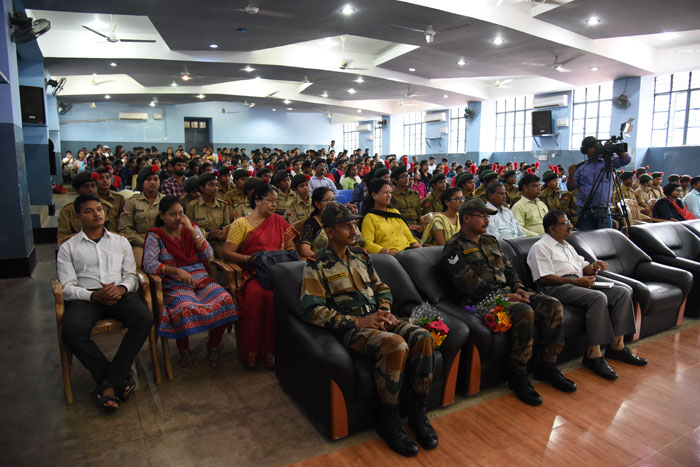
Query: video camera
(616, 144)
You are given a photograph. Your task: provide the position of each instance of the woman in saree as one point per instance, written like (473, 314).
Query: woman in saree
(261, 230)
(671, 207)
(177, 251)
(313, 237)
(445, 224)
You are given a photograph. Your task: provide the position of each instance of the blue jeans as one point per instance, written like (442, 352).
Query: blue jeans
(594, 220)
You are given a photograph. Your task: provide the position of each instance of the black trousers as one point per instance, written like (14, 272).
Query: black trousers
(78, 321)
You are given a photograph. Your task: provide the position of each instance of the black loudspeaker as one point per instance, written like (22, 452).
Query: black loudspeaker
(541, 122)
(32, 101)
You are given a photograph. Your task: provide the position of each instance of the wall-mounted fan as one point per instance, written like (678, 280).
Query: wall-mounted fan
(57, 86)
(64, 108)
(469, 114)
(26, 29)
(622, 101)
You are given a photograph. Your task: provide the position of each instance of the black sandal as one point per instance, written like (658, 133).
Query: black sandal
(126, 388)
(102, 401)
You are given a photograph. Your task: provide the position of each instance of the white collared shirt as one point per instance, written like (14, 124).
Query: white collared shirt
(503, 224)
(83, 263)
(548, 256)
(692, 202)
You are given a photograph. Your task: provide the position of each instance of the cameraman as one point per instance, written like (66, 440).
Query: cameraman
(597, 213)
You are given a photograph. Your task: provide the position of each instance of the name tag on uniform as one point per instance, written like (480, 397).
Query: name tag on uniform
(138, 210)
(340, 275)
(470, 250)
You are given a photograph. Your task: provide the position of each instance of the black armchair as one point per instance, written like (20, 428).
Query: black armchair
(659, 291)
(334, 388)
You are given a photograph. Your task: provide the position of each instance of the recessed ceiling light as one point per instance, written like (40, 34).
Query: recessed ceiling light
(287, 101)
(445, 96)
(274, 110)
(107, 96)
(248, 68)
(213, 46)
(594, 68)
(201, 96)
(351, 91)
(347, 10)
(498, 40)
(667, 36)
(411, 69)
(173, 84)
(359, 80)
(593, 21)
(359, 111)
(461, 62)
(113, 64)
(325, 94)
(185, 77)
(289, 108)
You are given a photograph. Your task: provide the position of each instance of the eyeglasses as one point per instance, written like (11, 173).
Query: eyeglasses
(564, 223)
(271, 200)
(328, 200)
(483, 216)
(458, 199)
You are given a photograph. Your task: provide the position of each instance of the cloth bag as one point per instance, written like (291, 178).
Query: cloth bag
(260, 264)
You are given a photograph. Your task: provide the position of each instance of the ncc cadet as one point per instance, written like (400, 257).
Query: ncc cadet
(235, 195)
(104, 184)
(244, 208)
(465, 182)
(512, 192)
(627, 178)
(656, 179)
(551, 194)
(486, 178)
(141, 210)
(69, 221)
(224, 182)
(191, 187)
(644, 194)
(341, 291)
(685, 184)
(407, 201)
(285, 195)
(432, 203)
(477, 267)
(638, 173)
(300, 207)
(211, 214)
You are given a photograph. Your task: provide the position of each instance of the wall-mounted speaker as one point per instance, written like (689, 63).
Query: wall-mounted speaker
(541, 122)
(32, 102)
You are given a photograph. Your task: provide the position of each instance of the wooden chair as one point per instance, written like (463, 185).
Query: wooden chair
(102, 326)
(426, 218)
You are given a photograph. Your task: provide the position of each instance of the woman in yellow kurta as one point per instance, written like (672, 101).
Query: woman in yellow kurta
(445, 224)
(383, 228)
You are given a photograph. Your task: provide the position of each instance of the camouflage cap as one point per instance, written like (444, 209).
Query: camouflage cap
(475, 204)
(336, 213)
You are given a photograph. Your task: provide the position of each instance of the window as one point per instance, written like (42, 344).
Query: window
(676, 119)
(514, 124)
(377, 137)
(458, 130)
(351, 137)
(591, 113)
(414, 134)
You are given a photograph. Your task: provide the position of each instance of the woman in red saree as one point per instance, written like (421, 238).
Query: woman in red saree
(262, 230)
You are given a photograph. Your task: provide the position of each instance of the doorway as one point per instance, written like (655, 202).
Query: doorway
(197, 133)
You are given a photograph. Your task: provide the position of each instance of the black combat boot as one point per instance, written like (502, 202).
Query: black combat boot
(520, 384)
(418, 421)
(390, 428)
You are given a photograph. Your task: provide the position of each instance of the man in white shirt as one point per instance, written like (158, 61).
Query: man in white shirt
(692, 200)
(503, 224)
(97, 272)
(431, 164)
(561, 272)
(319, 178)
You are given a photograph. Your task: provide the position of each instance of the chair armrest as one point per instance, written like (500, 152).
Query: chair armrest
(655, 272)
(641, 292)
(58, 299)
(456, 338)
(157, 293)
(145, 289)
(233, 273)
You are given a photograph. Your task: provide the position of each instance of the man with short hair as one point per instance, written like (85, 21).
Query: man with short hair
(692, 200)
(97, 272)
(331, 299)
(561, 272)
(431, 164)
(530, 210)
(319, 178)
(175, 185)
(68, 219)
(502, 224)
(477, 268)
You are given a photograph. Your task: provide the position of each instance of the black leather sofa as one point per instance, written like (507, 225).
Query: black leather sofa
(659, 291)
(334, 388)
(672, 244)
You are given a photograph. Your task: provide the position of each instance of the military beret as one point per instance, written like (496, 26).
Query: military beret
(437, 177)
(146, 172)
(657, 174)
(279, 176)
(549, 176)
(464, 177)
(685, 178)
(336, 213)
(262, 172)
(379, 173)
(205, 178)
(240, 173)
(644, 178)
(298, 179)
(224, 171)
(398, 171)
(486, 177)
(251, 184)
(508, 173)
(675, 178)
(527, 179)
(81, 178)
(626, 175)
(191, 184)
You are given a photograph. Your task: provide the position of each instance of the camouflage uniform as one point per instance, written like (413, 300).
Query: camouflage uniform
(335, 294)
(568, 205)
(431, 203)
(481, 193)
(512, 194)
(409, 205)
(479, 269)
(552, 198)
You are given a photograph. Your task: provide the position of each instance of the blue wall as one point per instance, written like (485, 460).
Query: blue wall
(437, 142)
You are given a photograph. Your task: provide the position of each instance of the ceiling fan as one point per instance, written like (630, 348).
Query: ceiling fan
(430, 32)
(94, 81)
(253, 8)
(555, 65)
(112, 37)
(497, 84)
(344, 64)
(404, 104)
(411, 92)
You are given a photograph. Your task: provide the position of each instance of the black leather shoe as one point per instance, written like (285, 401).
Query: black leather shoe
(522, 388)
(600, 367)
(390, 428)
(418, 421)
(625, 355)
(550, 373)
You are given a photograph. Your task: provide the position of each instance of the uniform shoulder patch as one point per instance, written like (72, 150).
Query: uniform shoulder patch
(469, 250)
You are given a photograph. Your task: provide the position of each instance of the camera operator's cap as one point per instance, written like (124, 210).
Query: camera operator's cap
(626, 175)
(486, 177)
(657, 174)
(297, 180)
(549, 176)
(279, 176)
(336, 213)
(475, 204)
(508, 173)
(527, 179)
(437, 178)
(397, 171)
(645, 178)
(685, 178)
(240, 173)
(191, 184)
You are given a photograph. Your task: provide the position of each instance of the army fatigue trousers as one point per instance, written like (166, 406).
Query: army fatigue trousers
(391, 349)
(544, 316)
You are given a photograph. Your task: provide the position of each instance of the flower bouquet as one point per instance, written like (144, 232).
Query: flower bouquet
(494, 311)
(429, 319)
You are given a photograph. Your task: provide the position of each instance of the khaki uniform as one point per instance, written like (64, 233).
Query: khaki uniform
(686, 190)
(208, 218)
(409, 205)
(658, 191)
(643, 195)
(431, 203)
(221, 191)
(234, 196)
(627, 193)
(635, 184)
(139, 215)
(116, 200)
(552, 198)
(568, 205)
(283, 202)
(186, 200)
(69, 221)
(481, 193)
(336, 293)
(512, 194)
(478, 269)
(241, 209)
(299, 209)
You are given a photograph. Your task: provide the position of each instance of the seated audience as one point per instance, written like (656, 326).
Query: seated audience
(300, 206)
(445, 224)
(235, 195)
(383, 228)
(407, 201)
(432, 203)
(397, 346)
(561, 272)
(530, 210)
(210, 213)
(313, 237)
(671, 206)
(97, 272)
(502, 224)
(644, 194)
(692, 200)
(319, 178)
(175, 185)
(550, 194)
(282, 182)
(69, 220)
(193, 302)
(685, 184)
(244, 207)
(350, 178)
(191, 187)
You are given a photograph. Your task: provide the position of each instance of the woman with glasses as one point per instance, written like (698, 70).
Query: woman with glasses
(446, 223)
(313, 237)
(261, 230)
(671, 207)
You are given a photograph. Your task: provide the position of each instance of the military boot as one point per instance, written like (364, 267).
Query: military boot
(390, 428)
(418, 421)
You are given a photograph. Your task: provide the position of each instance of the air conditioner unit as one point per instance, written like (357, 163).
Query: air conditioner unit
(441, 117)
(443, 130)
(364, 128)
(132, 116)
(560, 100)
